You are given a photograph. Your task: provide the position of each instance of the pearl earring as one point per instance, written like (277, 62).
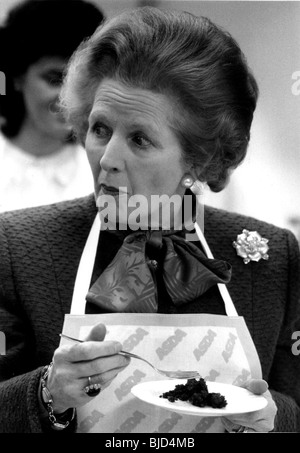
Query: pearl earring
(187, 182)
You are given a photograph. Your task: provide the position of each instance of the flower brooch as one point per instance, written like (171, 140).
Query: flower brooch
(251, 246)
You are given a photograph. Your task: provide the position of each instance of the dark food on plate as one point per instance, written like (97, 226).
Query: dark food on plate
(195, 392)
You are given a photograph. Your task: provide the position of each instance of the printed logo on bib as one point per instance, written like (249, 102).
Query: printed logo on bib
(133, 340)
(242, 378)
(132, 422)
(205, 344)
(90, 421)
(127, 385)
(212, 376)
(170, 343)
(227, 353)
(204, 424)
(169, 423)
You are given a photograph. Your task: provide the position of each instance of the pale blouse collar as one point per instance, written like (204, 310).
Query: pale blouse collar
(58, 167)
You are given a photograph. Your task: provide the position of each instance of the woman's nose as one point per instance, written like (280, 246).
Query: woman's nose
(54, 105)
(54, 93)
(113, 157)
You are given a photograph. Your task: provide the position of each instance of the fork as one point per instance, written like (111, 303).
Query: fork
(170, 374)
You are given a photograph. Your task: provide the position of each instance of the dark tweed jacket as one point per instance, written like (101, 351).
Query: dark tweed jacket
(40, 249)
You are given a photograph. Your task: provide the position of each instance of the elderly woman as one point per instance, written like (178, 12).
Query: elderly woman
(161, 101)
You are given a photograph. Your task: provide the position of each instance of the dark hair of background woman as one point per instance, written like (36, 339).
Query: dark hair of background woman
(35, 29)
(188, 58)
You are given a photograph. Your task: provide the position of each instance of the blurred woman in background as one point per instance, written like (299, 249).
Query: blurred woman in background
(40, 161)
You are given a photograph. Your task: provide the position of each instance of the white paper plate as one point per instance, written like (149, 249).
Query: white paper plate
(239, 400)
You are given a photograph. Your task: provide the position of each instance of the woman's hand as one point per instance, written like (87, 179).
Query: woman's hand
(257, 421)
(74, 363)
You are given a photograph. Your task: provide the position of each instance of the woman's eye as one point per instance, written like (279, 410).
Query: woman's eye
(141, 140)
(101, 131)
(53, 79)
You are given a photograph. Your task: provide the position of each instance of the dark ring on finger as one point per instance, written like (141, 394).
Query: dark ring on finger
(92, 390)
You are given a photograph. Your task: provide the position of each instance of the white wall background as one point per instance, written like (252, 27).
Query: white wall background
(267, 185)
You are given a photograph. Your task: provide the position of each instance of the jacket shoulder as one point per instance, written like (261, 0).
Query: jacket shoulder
(53, 215)
(233, 223)
(221, 229)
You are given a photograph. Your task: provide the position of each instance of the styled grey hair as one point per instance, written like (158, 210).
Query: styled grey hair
(199, 66)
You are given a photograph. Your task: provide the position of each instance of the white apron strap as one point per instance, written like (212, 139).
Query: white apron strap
(85, 269)
(229, 305)
(86, 266)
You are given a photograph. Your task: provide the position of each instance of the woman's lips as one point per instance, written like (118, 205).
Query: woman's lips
(111, 190)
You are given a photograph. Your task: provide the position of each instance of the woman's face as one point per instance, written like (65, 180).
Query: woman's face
(131, 146)
(40, 87)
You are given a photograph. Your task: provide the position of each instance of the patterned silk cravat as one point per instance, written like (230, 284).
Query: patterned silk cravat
(128, 283)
